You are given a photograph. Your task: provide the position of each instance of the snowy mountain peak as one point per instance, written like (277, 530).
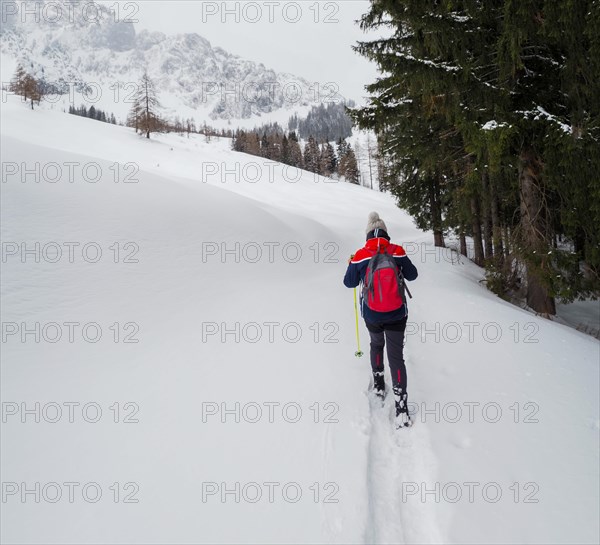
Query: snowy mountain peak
(80, 45)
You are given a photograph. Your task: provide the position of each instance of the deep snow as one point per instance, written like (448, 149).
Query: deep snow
(464, 346)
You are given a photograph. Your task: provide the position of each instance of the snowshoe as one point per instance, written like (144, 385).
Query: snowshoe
(379, 384)
(403, 419)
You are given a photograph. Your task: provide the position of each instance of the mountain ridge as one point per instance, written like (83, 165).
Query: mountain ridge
(74, 49)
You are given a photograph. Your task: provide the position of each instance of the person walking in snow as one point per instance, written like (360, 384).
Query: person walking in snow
(382, 267)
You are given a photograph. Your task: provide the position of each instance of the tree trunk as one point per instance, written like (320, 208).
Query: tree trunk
(496, 226)
(534, 229)
(579, 242)
(438, 239)
(463, 244)
(487, 218)
(507, 245)
(436, 214)
(476, 227)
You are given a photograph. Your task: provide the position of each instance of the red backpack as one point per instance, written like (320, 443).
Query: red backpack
(383, 287)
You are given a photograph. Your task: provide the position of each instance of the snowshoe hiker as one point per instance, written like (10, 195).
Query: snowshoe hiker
(382, 267)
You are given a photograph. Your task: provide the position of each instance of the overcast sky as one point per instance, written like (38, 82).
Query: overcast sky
(309, 39)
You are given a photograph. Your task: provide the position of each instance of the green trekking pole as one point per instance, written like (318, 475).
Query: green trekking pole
(358, 353)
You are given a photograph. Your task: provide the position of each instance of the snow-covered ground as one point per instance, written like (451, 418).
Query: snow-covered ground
(582, 315)
(232, 407)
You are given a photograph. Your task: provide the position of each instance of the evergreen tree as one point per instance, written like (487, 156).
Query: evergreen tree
(332, 159)
(296, 159)
(239, 141)
(311, 155)
(275, 147)
(17, 84)
(327, 159)
(285, 151)
(342, 153)
(488, 115)
(264, 146)
(253, 144)
(352, 171)
(325, 123)
(347, 166)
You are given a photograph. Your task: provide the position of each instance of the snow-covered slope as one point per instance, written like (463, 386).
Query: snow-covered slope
(92, 54)
(507, 402)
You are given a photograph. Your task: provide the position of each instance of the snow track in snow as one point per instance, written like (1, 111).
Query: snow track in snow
(395, 458)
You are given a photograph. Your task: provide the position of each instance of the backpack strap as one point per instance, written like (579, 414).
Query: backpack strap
(373, 266)
(369, 287)
(401, 282)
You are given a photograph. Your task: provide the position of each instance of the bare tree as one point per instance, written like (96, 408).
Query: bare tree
(26, 85)
(358, 155)
(144, 110)
(370, 151)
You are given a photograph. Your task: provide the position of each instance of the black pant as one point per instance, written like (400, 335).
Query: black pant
(393, 334)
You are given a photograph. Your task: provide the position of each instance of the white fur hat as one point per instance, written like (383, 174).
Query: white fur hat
(375, 222)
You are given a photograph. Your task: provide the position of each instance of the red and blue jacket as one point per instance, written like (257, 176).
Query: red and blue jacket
(357, 268)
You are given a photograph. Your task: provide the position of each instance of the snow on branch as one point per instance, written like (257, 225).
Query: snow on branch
(540, 113)
(442, 65)
(493, 125)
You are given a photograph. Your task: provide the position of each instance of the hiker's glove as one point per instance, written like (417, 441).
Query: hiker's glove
(351, 258)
